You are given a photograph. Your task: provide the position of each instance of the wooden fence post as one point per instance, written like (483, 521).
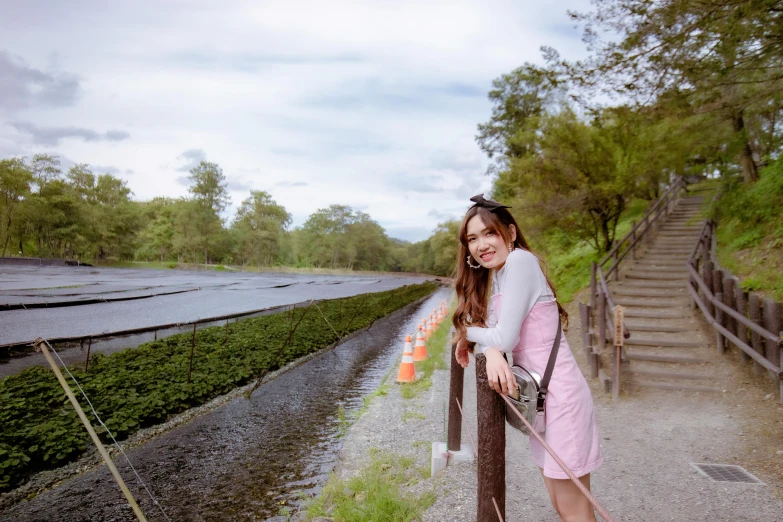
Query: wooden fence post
(772, 324)
(601, 320)
(87, 360)
(192, 348)
(707, 276)
(741, 305)
(717, 290)
(617, 352)
(592, 285)
(633, 240)
(456, 384)
(729, 294)
(754, 314)
(491, 447)
(585, 314)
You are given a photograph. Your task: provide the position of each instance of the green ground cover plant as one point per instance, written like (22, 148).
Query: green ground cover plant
(378, 492)
(750, 230)
(142, 387)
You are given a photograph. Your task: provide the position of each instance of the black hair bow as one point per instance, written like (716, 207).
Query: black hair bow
(487, 203)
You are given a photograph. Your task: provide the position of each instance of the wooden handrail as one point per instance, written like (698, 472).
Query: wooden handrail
(656, 208)
(710, 297)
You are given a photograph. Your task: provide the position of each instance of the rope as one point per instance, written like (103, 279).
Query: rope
(470, 435)
(325, 319)
(151, 495)
(562, 465)
(497, 509)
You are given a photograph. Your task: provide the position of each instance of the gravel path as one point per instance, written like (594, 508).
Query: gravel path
(649, 440)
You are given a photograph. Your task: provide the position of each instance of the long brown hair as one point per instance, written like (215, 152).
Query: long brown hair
(473, 285)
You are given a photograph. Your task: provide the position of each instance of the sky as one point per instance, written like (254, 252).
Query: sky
(371, 104)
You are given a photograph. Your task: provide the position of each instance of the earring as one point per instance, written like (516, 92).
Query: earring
(510, 246)
(471, 266)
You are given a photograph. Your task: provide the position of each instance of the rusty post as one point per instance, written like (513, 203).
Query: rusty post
(592, 285)
(717, 290)
(225, 337)
(772, 324)
(87, 361)
(192, 348)
(754, 314)
(741, 305)
(729, 295)
(455, 394)
(617, 352)
(491, 446)
(156, 335)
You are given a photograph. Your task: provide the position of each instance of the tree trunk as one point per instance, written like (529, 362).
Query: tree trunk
(750, 172)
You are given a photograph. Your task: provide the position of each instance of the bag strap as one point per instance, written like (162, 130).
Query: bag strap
(550, 366)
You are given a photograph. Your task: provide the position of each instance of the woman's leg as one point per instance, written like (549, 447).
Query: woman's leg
(572, 505)
(550, 487)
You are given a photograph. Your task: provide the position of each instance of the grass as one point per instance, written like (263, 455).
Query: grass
(379, 492)
(750, 231)
(413, 415)
(568, 261)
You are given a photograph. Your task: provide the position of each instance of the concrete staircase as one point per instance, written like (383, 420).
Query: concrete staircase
(667, 348)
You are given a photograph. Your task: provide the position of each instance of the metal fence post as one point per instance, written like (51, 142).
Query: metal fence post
(491, 447)
(601, 319)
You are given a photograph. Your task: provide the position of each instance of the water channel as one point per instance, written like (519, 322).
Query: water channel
(248, 459)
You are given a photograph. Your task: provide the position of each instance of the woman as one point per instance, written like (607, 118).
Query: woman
(507, 304)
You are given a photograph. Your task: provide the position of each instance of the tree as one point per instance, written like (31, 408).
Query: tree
(45, 168)
(15, 179)
(723, 56)
(260, 224)
(209, 190)
(519, 99)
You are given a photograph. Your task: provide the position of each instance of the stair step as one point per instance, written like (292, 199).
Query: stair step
(654, 357)
(654, 328)
(655, 275)
(651, 303)
(652, 257)
(630, 292)
(661, 342)
(653, 315)
(678, 387)
(661, 264)
(671, 375)
(648, 283)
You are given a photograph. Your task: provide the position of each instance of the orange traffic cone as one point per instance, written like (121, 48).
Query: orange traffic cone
(430, 328)
(436, 315)
(407, 369)
(420, 352)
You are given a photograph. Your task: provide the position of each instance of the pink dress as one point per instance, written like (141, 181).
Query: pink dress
(569, 419)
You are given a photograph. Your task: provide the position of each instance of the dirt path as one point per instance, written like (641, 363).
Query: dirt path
(650, 437)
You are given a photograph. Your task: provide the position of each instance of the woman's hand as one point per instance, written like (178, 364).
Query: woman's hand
(499, 376)
(461, 353)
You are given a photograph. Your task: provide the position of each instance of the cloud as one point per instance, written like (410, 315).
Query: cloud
(51, 136)
(237, 185)
(192, 157)
(109, 169)
(22, 86)
(291, 184)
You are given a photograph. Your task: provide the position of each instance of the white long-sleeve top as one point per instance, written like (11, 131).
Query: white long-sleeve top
(523, 284)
